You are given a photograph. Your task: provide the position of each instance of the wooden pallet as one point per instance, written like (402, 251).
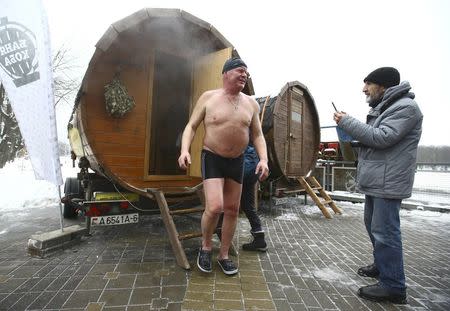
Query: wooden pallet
(319, 195)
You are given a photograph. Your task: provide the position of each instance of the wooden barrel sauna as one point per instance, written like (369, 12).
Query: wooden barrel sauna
(292, 131)
(165, 59)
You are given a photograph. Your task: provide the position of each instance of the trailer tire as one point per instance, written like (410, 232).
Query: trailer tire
(72, 188)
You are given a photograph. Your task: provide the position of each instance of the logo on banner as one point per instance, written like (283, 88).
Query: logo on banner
(18, 52)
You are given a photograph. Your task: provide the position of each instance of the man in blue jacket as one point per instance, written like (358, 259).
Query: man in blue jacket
(251, 160)
(385, 174)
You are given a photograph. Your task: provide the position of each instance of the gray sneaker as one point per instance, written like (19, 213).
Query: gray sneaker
(228, 266)
(204, 261)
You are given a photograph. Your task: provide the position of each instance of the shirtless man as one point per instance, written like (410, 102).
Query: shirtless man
(228, 115)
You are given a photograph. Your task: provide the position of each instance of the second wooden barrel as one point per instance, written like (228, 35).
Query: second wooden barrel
(292, 131)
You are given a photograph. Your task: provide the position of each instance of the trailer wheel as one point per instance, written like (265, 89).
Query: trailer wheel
(72, 189)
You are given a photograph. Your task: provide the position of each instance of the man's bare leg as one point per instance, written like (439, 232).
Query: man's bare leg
(231, 196)
(213, 189)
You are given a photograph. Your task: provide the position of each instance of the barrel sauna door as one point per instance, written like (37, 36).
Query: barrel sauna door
(176, 84)
(170, 101)
(207, 76)
(295, 124)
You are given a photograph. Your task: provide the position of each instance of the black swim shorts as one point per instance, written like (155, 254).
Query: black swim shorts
(216, 166)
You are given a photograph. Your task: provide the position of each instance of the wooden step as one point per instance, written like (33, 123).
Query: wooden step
(319, 196)
(189, 235)
(181, 199)
(293, 191)
(186, 211)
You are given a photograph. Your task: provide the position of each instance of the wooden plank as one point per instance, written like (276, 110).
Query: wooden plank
(177, 248)
(124, 138)
(114, 148)
(150, 78)
(124, 160)
(105, 123)
(107, 39)
(187, 211)
(189, 235)
(126, 171)
(131, 21)
(142, 184)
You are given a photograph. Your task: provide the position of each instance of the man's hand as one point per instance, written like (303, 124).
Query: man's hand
(262, 169)
(184, 160)
(338, 115)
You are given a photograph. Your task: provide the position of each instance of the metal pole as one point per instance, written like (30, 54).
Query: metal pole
(60, 209)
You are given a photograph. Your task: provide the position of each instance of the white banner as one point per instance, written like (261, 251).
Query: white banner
(26, 73)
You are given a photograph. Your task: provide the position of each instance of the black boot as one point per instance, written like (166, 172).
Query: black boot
(258, 243)
(378, 293)
(370, 271)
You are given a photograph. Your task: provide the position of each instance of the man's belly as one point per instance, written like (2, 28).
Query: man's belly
(226, 142)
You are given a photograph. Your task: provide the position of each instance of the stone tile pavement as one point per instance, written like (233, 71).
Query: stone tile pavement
(310, 265)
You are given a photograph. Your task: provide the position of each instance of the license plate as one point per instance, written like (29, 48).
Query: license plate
(115, 220)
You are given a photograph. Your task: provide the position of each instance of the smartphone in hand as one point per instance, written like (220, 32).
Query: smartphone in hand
(334, 107)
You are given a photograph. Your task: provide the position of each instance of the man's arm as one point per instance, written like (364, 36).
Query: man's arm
(196, 118)
(260, 144)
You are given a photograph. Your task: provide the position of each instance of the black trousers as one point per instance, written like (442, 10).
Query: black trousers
(248, 200)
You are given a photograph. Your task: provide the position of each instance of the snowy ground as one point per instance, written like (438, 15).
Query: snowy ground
(425, 216)
(20, 190)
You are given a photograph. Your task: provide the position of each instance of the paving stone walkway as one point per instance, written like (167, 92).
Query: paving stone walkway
(310, 265)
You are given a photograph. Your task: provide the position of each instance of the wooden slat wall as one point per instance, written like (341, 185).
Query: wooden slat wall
(117, 143)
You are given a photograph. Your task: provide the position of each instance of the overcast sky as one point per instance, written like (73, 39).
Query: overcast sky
(329, 46)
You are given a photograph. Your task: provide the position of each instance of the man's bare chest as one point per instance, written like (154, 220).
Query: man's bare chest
(228, 115)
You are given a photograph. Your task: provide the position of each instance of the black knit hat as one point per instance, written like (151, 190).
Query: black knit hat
(384, 76)
(232, 63)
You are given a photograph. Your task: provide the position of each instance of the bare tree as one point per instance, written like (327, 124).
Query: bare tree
(64, 83)
(11, 141)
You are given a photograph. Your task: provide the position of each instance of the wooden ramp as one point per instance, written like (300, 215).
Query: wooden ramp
(319, 195)
(162, 197)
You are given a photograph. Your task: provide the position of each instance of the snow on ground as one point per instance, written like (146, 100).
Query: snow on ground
(405, 214)
(334, 275)
(287, 216)
(20, 190)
